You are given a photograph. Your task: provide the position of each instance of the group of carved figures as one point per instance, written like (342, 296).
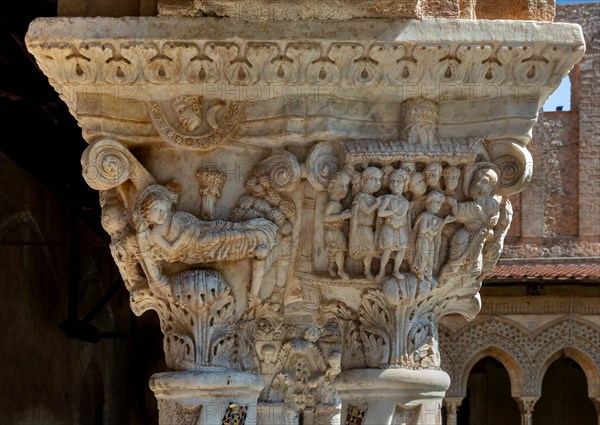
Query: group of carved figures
(417, 219)
(406, 220)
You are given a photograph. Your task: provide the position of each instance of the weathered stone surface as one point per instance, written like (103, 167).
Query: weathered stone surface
(334, 78)
(310, 237)
(269, 10)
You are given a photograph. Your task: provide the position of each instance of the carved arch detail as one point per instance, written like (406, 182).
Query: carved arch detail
(526, 352)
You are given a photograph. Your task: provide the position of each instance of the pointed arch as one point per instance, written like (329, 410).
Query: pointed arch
(511, 365)
(589, 367)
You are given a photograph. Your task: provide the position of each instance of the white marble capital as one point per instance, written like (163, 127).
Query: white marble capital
(300, 202)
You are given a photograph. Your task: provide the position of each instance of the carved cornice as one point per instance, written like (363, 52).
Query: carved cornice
(115, 74)
(303, 62)
(396, 53)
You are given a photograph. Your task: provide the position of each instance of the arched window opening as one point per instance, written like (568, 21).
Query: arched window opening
(488, 400)
(564, 396)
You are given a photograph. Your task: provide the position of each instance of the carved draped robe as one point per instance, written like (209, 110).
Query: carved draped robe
(196, 241)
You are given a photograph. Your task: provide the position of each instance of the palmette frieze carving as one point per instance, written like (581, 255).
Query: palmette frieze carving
(302, 62)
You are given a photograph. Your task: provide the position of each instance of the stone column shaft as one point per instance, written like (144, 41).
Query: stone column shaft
(452, 404)
(526, 405)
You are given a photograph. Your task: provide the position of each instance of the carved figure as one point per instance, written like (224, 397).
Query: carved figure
(451, 177)
(409, 167)
(268, 365)
(328, 393)
(334, 361)
(189, 111)
(336, 244)
(124, 245)
(479, 218)
(393, 227)
(433, 172)
(302, 366)
(301, 382)
(493, 248)
(179, 236)
(427, 231)
(418, 188)
(428, 354)
(362, 238)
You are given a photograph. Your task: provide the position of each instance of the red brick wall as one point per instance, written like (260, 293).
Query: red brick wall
(588, 16)
(566, 153)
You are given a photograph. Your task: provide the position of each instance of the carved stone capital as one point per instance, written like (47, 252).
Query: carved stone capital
(304, 200)
(452, 404)
(526, 405)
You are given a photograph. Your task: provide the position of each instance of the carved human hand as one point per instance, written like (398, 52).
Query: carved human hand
(448, 219)
(383, 208)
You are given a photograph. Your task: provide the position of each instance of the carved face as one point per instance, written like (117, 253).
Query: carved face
(337, 189)
(396, 184)
(188, 116)
(302, 369)
(371, 180)
(483, 184)
(417, 185)
(334, 362)
(432, 174)
(159, 211)
(410, 167)
(270, 354)
(434, 204)
(451, 177)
